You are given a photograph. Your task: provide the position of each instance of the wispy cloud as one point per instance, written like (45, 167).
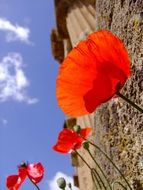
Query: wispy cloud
(53, 183)
(13, 82)
(14, 32)
(4, 121)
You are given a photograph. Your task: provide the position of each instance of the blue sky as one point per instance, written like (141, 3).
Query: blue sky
(29, 115)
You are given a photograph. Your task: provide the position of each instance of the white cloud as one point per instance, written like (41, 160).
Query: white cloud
(53, 183)
(4, 121)
(14, 32)
(13, 82)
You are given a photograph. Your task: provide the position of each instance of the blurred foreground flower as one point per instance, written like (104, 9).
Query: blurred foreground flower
(69, 140)
(92, 73)
(34, 172)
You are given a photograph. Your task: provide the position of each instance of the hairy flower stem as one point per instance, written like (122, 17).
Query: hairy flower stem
(99, 168)
(119, 183)
(34, 184)
(97, 147)
(95, 179)
(129, 101)
(94, 173)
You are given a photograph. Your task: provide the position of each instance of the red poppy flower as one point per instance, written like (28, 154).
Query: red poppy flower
(34, 171)
(14, 181)
(69, 140)
(92, 73)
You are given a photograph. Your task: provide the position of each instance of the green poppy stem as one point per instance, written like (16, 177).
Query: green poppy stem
(94, 173)
(129, 101)
(34, 184)
(99, 168)
(97, 147)
(95, 179)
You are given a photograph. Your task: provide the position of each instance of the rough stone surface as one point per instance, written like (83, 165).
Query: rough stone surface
(118, 126)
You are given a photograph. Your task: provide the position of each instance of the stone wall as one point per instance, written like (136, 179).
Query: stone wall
(118, 126)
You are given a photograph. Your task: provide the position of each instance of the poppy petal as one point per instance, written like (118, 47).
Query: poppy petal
(11, 181)
(90, 73)
(62, 147)
(35, 172)
(85, 132)
(14, 181)
(69, 140)
(74, 81)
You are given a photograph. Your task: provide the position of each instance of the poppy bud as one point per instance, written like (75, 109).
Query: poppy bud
(77, 128)
(61, 183)
(86, 145)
